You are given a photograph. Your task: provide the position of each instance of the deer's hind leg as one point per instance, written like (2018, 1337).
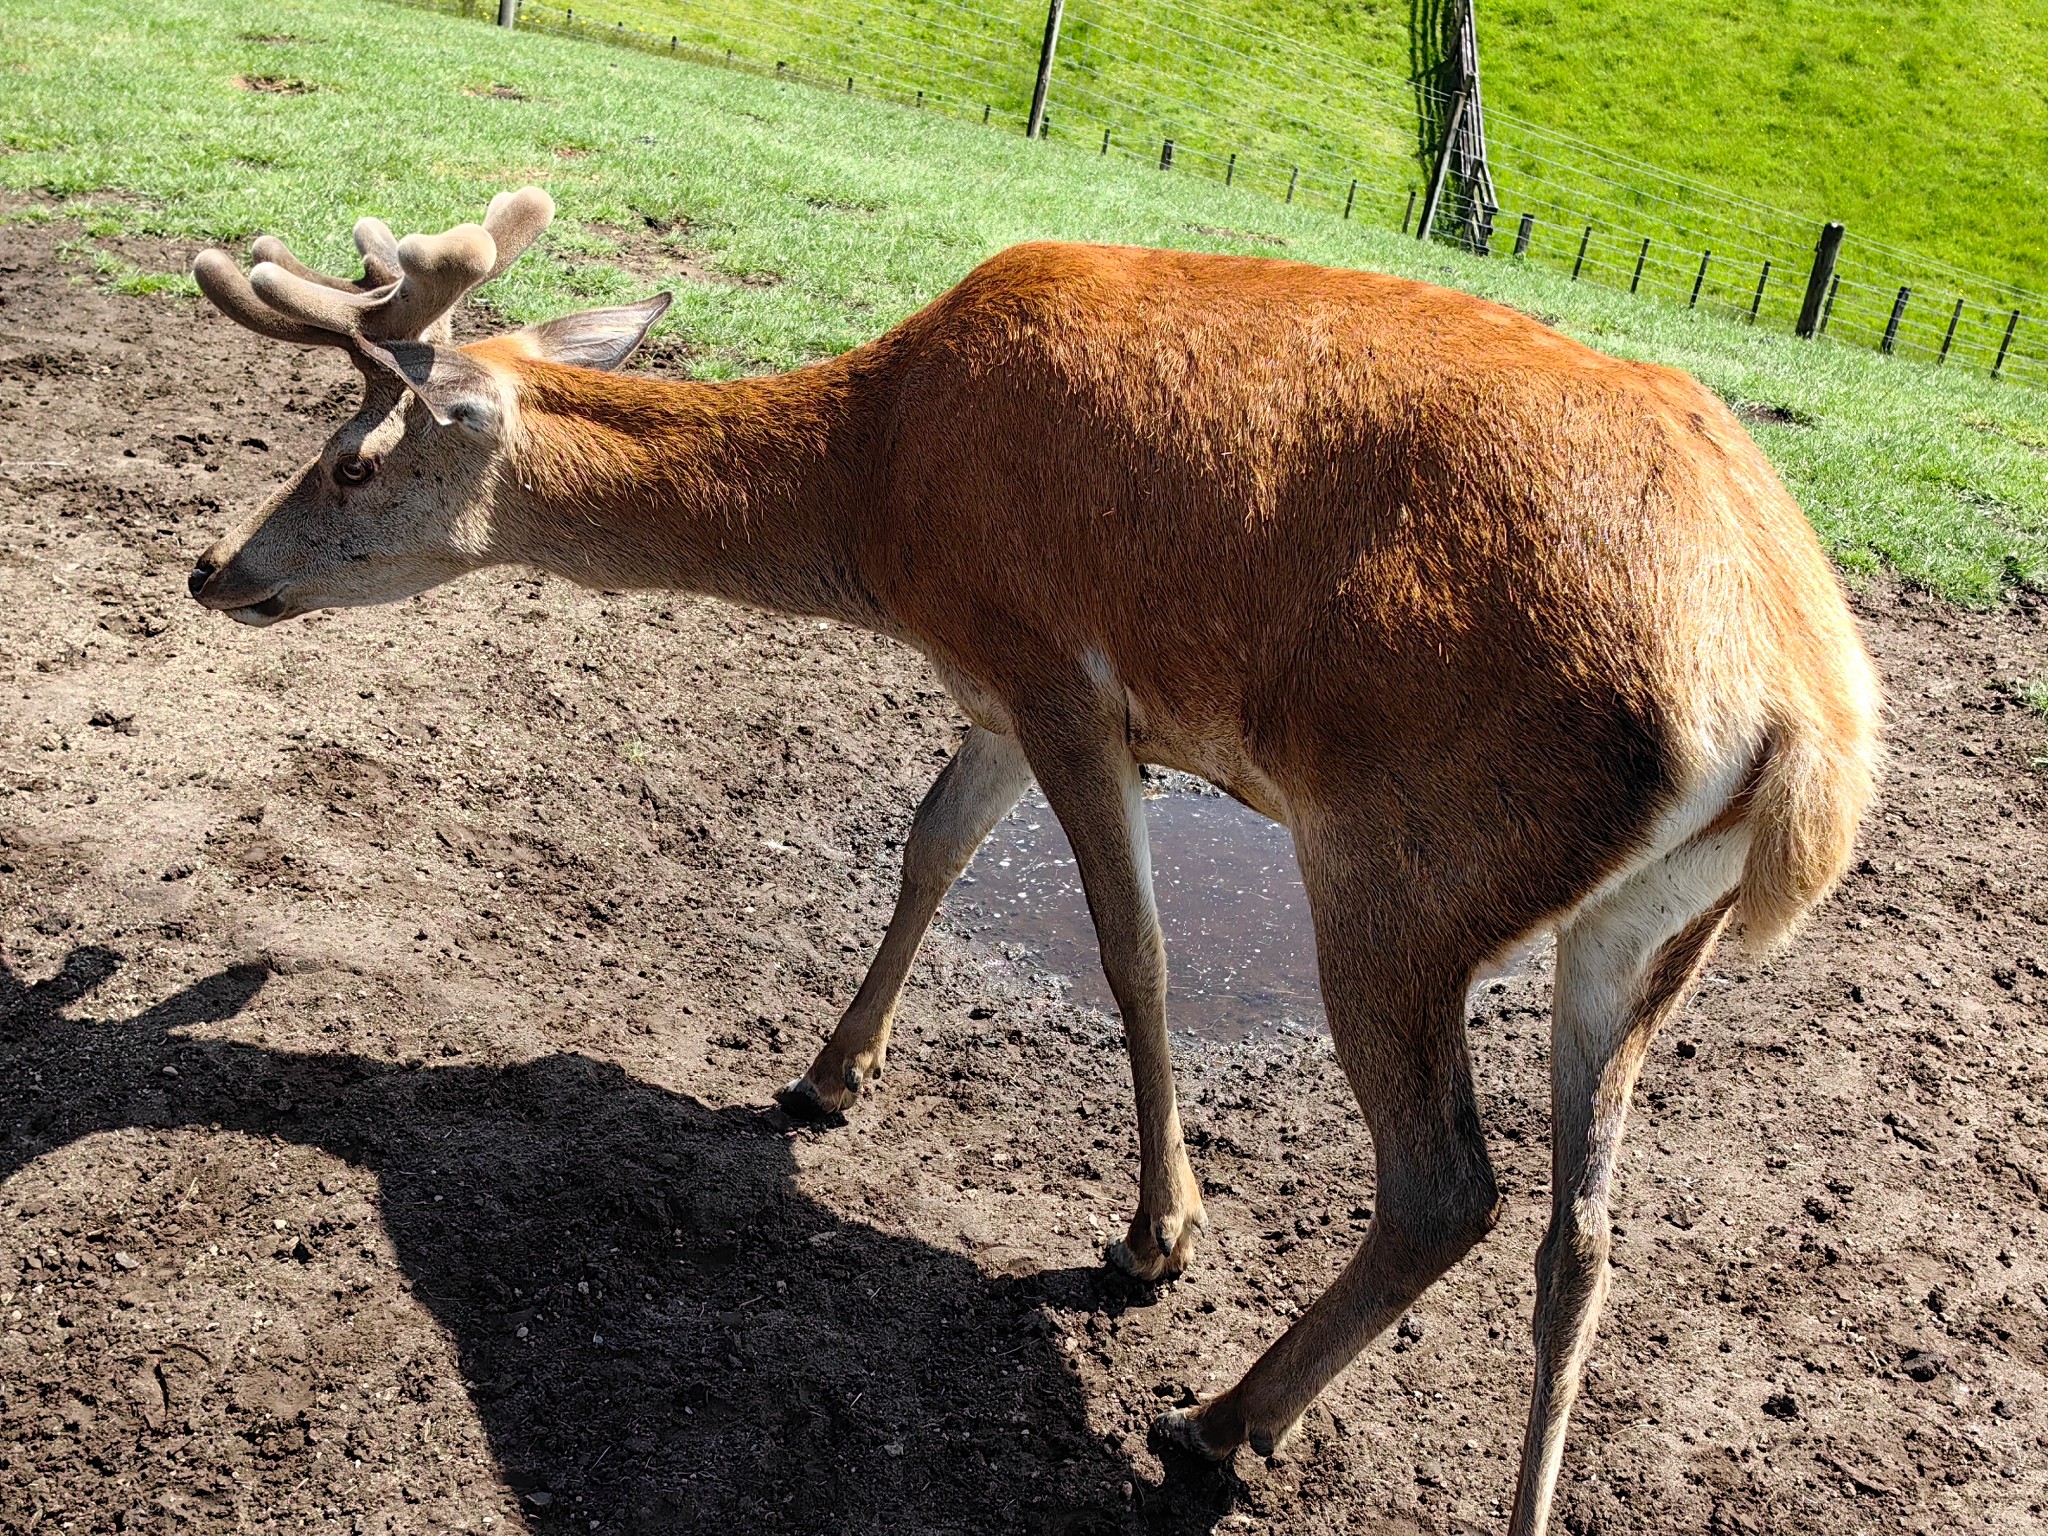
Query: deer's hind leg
(1625, 964)
(1395, 994)
(973, 792)
(1091, 781)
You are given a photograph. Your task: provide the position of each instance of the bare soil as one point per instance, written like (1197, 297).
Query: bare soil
(392, 1003)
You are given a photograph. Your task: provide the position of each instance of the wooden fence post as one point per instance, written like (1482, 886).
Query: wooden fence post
(1230, 170)
(1825, 251)
(1034, 127)
(1584, 240)
(1443, 164)
(1891, 326)
(1949, 339)
(1523, 231)
(508, 13)
(2010, 326)
(1641, 256)
(1293, 176)
(1166, 155)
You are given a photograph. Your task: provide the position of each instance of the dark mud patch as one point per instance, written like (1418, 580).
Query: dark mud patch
(275, 85)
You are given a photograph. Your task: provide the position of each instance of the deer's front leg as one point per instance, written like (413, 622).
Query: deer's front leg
(972, 793)
(1091, 781)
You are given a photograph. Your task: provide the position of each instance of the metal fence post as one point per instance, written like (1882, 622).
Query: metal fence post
(1034, 128)
(1891, 326)
(1293, 177)
(1584, 240)
(1443, 163)
(2010, 326)
(1641, 256)
(1166, 154)
(1408, 212)
(1758, 302)
(1700, 281)
(1825, 251)
(1949, 340)
(508, 13)
(1350, 198)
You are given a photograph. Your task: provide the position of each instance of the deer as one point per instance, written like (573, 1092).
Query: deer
(1515, 637)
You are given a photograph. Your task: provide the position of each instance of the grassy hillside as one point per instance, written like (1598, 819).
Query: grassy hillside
(214, 119)
(1920, 123)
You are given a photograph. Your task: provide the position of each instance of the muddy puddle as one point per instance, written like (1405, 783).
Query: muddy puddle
(1240, 952)
(1240, 949)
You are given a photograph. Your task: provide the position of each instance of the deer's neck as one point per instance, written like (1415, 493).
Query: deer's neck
(754, 491)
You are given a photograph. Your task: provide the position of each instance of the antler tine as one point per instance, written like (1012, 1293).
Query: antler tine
(439, 270)
(232, 294)
(380, 251)
(515, 221)
(271, 249)
(408, 287)
(436, 271)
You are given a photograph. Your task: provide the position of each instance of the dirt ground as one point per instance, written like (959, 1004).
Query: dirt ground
(392, 1001)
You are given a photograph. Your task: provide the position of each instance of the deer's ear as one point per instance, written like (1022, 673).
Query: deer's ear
(457, 389)
(596, 338)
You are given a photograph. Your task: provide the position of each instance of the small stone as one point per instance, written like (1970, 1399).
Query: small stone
(126, 1260)
(1410, 1328)
(893, 1448)
(169, 1072)
(1922, 1364)
(538, 1499)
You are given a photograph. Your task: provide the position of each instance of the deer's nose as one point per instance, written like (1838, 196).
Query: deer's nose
(200, 572)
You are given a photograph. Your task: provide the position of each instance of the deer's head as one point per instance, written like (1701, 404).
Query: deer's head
(400, 499)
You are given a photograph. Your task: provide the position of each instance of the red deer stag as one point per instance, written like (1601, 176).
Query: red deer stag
(1515, 637)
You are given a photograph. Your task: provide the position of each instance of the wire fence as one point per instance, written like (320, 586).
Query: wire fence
(1173, 85)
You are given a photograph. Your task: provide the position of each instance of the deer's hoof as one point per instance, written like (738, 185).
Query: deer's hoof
(1151, 1268)
(1180, 1430)
(1156, 1249)
(802, 1099)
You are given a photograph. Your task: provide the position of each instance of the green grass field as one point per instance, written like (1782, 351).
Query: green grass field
(142, 120)
(1920, 124)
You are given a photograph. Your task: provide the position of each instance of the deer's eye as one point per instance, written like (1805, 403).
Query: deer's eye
(354, 471)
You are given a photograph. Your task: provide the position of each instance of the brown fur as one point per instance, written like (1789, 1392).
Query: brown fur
(1482, 614)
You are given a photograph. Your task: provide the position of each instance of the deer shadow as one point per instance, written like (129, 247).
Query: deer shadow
(744, 1358)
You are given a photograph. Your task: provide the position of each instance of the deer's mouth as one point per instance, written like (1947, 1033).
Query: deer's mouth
(269, 611)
